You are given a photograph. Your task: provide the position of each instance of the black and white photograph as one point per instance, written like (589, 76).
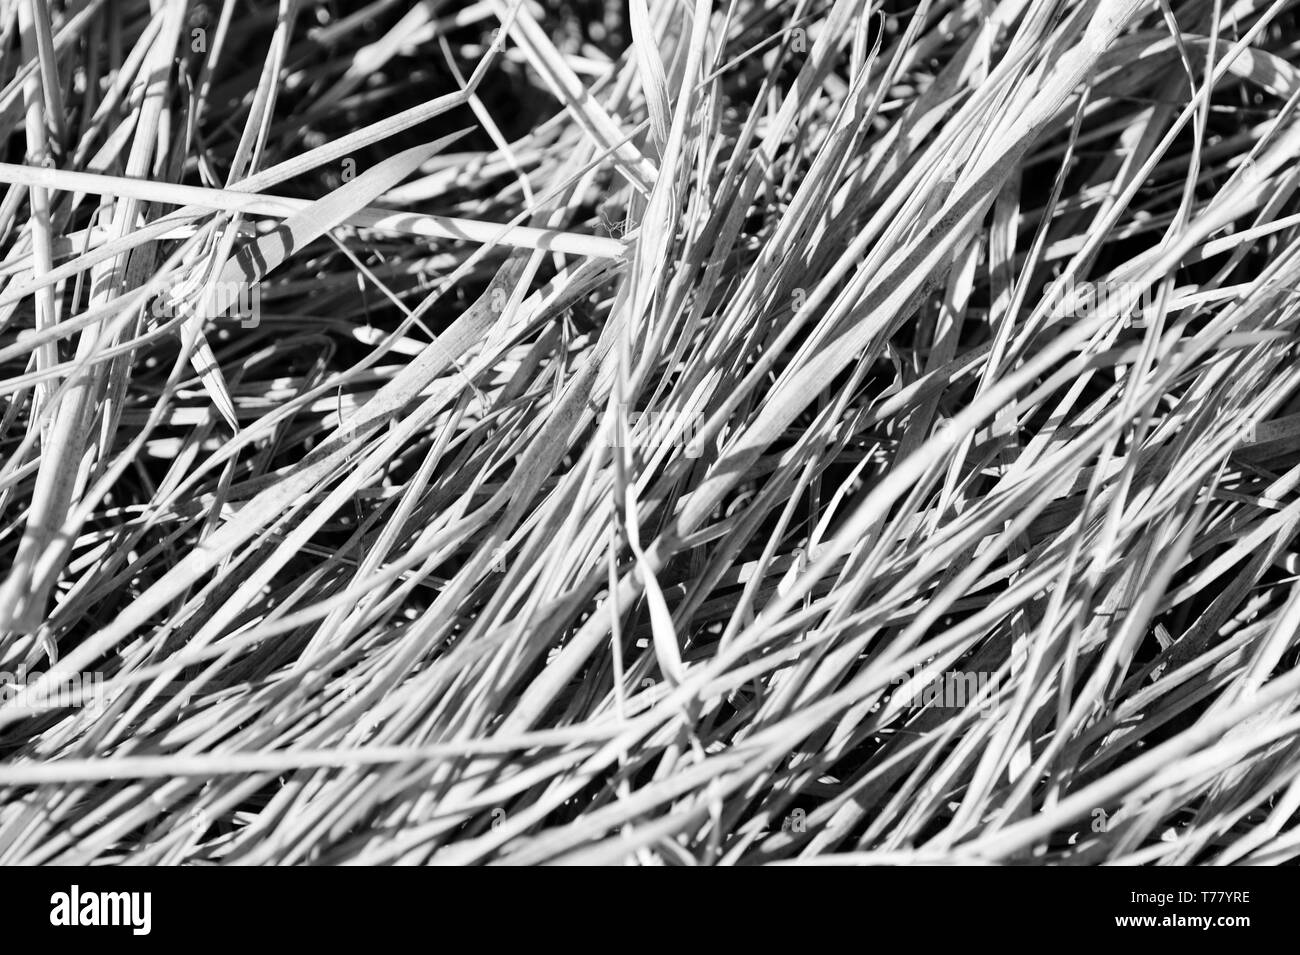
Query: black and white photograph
(651, 433)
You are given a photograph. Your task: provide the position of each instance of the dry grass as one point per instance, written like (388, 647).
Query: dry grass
(656, 424)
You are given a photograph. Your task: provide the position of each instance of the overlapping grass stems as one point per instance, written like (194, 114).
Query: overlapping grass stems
(647, 406)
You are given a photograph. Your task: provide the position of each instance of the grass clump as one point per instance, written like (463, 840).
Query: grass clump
(704, 433)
